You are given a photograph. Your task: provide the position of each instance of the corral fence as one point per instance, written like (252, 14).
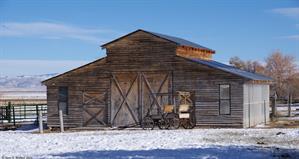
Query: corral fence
(283, 108)
(12, 115)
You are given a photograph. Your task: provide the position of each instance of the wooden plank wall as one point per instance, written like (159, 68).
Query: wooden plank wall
(78, 81)
(205, 82)
(141, 52)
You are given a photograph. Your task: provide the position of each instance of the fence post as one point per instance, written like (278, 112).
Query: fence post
(14, 116)
(8, 112)
(274, 107)
(265, 118)
(25, 112)
(61, 121)
(290, 106)
(40, 120)
(36, 109)
(2, 115)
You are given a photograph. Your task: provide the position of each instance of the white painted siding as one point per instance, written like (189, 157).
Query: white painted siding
(256, 104)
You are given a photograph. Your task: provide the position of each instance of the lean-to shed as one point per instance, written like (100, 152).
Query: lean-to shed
(119, 89)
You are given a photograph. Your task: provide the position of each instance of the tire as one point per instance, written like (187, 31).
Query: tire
(193, 123)
(163, 124)
(148, 123)
(188, 124)
(184, 123)
(174, 121)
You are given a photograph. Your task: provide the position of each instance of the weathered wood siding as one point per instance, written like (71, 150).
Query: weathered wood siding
(140, 52)
(91, 79)
(204, 82)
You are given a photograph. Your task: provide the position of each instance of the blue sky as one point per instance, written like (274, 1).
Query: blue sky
(39, 37)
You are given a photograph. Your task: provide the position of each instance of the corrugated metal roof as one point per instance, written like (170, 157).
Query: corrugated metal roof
(233, 70)
(179, 41)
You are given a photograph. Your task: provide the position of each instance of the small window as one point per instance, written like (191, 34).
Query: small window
(63, 100)
(224, 99)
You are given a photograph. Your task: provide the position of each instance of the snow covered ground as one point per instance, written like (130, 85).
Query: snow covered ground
(196, 143)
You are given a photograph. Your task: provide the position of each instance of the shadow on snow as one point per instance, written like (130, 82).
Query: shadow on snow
(230, 152)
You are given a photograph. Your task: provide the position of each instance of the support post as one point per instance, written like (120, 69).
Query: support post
(61, 121)
(40, 120)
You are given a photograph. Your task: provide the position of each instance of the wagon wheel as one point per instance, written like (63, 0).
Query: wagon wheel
(163, 124)
(192, 119)
(148, 123)
(193, 122)
(185, 123)
(188, 124)
(174, 121)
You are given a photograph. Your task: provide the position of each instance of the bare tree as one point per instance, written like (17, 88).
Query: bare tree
(251, 66)
(283, 69)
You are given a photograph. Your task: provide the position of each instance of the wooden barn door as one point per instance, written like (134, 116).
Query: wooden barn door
(124, 99)
(94, 108)
(133, 94)
(156, 88)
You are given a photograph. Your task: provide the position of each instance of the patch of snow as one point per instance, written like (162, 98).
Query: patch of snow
(51, 144)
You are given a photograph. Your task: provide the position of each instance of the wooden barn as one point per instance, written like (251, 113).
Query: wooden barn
(121, 88)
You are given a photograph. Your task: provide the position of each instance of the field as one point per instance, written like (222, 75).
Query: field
(196, 143)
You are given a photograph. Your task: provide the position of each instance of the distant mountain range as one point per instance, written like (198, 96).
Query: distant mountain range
(32, 82)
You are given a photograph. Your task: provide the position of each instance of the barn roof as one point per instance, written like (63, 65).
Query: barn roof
(176, 40)
(233, 70)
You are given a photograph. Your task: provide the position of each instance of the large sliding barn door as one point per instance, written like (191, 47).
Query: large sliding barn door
(134, 94)
(124, 99)
(155, 87)
(94, 108)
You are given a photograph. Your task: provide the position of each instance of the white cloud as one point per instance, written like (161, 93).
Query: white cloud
(37, 67)
(53, 31)
(291, 37)
(290, 12)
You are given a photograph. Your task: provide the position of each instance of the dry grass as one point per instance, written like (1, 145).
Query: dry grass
(284, 122)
